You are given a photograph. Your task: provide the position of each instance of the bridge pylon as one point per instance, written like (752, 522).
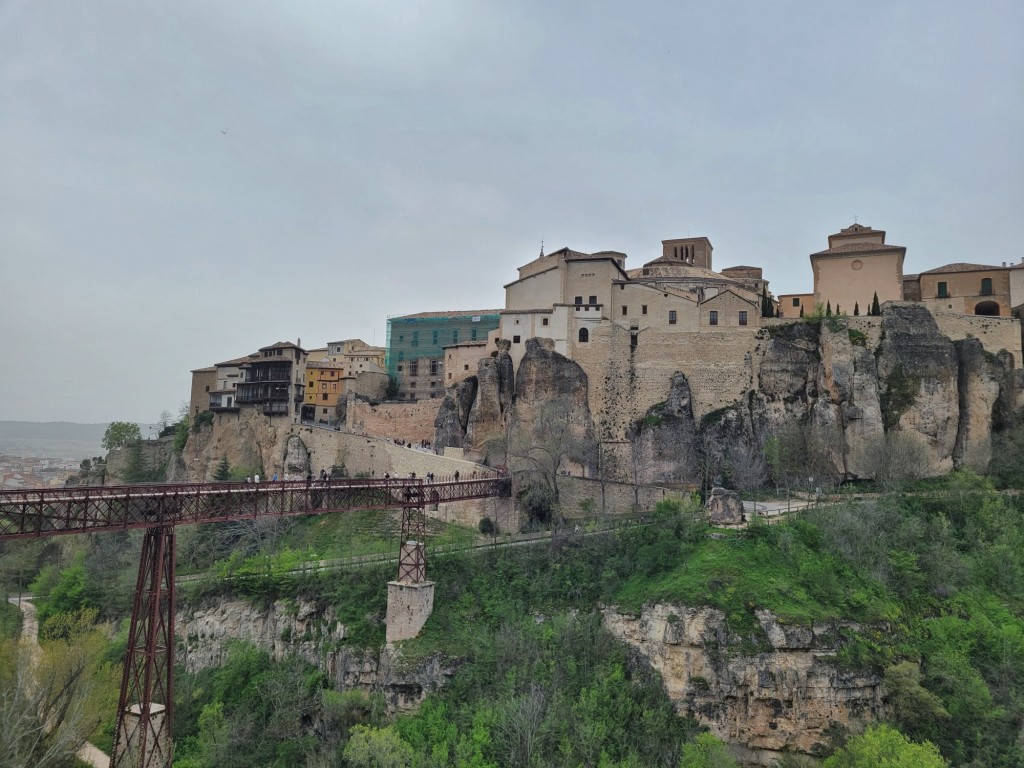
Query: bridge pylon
(142, 737)
(411, 596)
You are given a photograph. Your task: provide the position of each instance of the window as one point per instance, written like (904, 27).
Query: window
(943, 291)
(593, 300)
(579, 300)
(796, 301)
(415, 338)
(713, 317)
(414, 369)
(543, 321)
(465, 367)
(399, 367)
(584, 335)
(743, 317)
(671, 317)
(433, 367)
(472, 334)
(323, 396)
(455, 336)
(643, 309)
(633, 340)
(412, 385)
(433, 337)
(515, 339)
(625, 310)
(986, 286)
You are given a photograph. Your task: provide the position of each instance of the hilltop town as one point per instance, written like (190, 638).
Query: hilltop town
(630, 330)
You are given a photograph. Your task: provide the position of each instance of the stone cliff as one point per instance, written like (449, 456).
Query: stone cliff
(791, 698)
(841, 391)
(310, 631)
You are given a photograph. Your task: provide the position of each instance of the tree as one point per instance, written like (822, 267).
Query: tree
(52, 699)
(828, 309)
(391, 391)
(801, 310)
(120, 434)
(766, 303)
(377, 748)
(856, 309)
(875, 309)
(706, 751)
(885, 747)
(555, 441)
(223, 472)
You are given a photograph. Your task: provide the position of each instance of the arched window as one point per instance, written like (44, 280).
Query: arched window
(584, 334)
(986, 286)
(987, 308)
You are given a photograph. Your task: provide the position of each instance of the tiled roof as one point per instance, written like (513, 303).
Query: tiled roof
(911, 277)
(282, 345)
(477, 343)
(962, 267)
(238, 360)
(859, 248)
(739, 266)
(327, 364)
(453, 313)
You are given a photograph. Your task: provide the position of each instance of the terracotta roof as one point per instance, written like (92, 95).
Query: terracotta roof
(207, 369)
(283, 345)
(962, 267)
(476, 343)
(453, 313)
(859, 248)
(538, 311)
(238, 360)
(739, 266)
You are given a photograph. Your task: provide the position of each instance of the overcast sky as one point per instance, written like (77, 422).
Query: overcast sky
(183, 182)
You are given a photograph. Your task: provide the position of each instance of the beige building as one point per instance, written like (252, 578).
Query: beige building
(460, 360)
(856, 265)
(971, 289)
(274, 381)
(204, 381)
(799, 305)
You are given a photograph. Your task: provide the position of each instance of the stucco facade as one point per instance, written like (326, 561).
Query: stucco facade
(857, 265)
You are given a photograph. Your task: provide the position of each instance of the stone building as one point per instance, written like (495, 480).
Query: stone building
(274, 381)
(415, 347)
(857, 265)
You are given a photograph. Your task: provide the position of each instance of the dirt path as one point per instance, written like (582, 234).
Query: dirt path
(30, 633)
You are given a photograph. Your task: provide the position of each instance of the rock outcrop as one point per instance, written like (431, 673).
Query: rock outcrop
(723, 507)
(311, 632)
(789, 698)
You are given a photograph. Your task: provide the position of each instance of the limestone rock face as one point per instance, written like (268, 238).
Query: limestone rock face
(296, 458)
(724, 507)
(453, 415)
(862, 415)
(247, 439)
(312, 632)
(784, 699)
(551, 393)
(489, 413)
(667, 432)
(978, 383)
(917, 374)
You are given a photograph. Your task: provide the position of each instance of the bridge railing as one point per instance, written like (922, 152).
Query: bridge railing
(57, 511)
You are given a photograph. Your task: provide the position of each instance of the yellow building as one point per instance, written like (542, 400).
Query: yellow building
(324, 386)
(972, 289)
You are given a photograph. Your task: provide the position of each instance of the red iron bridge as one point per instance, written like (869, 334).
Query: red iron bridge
(145, 705)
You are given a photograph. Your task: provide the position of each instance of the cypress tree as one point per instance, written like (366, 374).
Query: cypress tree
(828, 309)
(875, 309)
(856, 309)
(837, 309)
(801, 310)
(223, 472)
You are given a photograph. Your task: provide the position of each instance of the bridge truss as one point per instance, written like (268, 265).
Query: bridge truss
(146, 701)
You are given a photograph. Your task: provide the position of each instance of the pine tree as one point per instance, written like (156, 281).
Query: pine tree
(856, 309)
(828, 309)
(875, 309)
(223, 472)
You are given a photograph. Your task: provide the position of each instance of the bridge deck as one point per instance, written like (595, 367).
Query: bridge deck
(60, 511)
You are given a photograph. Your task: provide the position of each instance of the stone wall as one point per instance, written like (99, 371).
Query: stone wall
(411, 422)
(579, 494)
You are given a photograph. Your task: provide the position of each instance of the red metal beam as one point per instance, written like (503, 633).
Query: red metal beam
(63, 511)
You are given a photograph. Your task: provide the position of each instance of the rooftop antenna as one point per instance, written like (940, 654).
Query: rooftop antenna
(542, 246)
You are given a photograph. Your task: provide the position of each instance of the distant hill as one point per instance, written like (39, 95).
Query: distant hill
(53, 439)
